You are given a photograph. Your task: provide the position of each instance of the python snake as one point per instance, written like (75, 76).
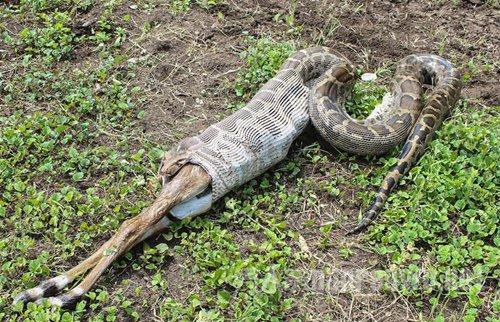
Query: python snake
(313, 85)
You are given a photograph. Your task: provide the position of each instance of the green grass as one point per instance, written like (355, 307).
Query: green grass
(442, 225)
(53, 41)
(74, 165)
(59, 180)
(180, 6)
(263, 57)
(365, 96)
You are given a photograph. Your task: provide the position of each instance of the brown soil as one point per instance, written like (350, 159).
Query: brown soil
(189, 58)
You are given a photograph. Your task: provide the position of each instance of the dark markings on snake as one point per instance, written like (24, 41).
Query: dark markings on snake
(402, 167)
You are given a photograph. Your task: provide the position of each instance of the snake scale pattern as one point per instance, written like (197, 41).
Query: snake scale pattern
(313, 85)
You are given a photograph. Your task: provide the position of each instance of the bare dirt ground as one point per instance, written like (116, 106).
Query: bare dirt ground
(192, 56)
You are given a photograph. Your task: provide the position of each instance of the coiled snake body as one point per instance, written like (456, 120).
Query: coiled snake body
(313, 84)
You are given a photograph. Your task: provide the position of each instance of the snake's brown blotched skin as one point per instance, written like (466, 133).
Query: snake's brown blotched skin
(313, 85)
(401, 116)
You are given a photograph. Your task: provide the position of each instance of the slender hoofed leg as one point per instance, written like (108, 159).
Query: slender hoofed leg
(190, 181)
(71, 297)
(57, 284)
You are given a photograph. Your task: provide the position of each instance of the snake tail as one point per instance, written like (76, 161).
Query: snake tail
(445, 79)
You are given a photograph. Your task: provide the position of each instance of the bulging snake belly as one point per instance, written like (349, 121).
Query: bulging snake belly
(313, 85)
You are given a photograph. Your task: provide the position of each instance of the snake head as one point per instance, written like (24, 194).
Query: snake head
(174, 159)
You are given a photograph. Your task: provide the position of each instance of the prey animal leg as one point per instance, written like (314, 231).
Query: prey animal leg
(190, 181)
(126, 238)
(56, 284)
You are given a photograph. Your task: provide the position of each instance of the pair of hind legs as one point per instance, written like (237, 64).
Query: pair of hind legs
(190, 181)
